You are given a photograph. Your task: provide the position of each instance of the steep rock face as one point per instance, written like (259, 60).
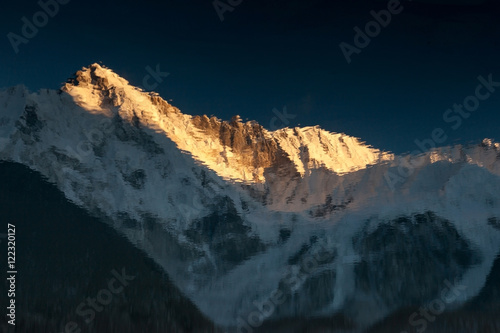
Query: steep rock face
(235, 150)
(234, 212)
(248, 140)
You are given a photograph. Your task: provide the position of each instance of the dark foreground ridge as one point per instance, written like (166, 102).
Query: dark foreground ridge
(65, 256)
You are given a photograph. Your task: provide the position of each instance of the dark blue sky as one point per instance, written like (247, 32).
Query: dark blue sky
(270, 54)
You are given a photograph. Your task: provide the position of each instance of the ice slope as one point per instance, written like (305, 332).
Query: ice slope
(231, 210)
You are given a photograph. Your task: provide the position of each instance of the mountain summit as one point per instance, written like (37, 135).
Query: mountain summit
(235, 150)
(234, 212)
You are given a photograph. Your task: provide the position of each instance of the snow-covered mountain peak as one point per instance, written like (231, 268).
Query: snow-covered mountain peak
(312, 147)
(98, 77)
(227, 207)
(234, 150)
(101, 91)
(490, 143)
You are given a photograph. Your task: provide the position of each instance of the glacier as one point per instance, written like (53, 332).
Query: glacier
(234, 213)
